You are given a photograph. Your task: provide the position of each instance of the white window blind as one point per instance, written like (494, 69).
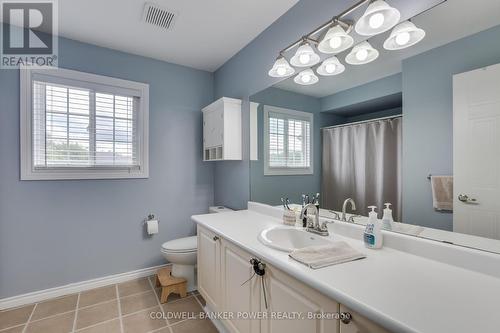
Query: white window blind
(288, 141)
(75, 127)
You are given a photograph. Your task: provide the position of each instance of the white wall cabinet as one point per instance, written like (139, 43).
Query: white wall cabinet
(223, 269)
(222, 130)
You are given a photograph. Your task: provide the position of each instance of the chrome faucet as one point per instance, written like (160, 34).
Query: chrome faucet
(314, 227)
(344, 207)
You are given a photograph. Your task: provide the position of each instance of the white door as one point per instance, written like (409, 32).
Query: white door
(476, 151)
(209, 267)
(241, 290)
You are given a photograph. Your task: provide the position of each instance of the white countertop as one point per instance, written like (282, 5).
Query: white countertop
(398, 290)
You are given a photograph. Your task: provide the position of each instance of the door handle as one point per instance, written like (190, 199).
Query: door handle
(465, 199)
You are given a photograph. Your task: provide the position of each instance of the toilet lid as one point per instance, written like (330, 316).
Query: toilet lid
(186, 244)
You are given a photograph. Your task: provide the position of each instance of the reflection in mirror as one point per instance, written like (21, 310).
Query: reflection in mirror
(416, 128)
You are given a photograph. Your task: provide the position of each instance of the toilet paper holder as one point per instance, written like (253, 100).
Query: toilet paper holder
(149, 218)
(151, 225)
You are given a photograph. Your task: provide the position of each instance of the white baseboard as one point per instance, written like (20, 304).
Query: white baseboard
(42, 295)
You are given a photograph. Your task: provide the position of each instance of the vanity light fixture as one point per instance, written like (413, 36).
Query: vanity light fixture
(378, 17)
(306, 77)
(335, 40)
(281, 68)
(305, 56)
(361, 54)
(330, 66)
(404, 35)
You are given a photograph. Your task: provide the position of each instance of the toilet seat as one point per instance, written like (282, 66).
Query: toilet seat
(181, 245)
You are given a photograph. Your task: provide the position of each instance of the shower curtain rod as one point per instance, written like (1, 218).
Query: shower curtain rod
(364, 121)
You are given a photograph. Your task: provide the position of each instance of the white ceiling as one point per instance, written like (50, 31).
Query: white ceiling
(206, 33)
(450, 21)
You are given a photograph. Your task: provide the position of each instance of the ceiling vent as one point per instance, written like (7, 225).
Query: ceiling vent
(158, 16)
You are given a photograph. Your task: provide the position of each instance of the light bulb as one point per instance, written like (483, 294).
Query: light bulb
(304, 58)
(402, 38)
(330, 68)
(376, 20)
(281, 71)
(335, 42)
(362, 54)
(306, 78)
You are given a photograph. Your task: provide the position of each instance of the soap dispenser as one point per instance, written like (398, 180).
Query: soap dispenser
(387, 218)
(373, 233)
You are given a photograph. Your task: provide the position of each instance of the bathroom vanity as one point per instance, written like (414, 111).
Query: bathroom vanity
(400, 288)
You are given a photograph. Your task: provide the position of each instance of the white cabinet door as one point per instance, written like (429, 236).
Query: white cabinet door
(358, 323)
(476, 163)
(239, 298)
(289, 297)
(213, 128)
(209, 267)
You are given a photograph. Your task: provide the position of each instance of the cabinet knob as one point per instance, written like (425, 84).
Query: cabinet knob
(345, 317)
(216, 238)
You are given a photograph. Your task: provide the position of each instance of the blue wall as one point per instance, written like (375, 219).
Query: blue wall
(390, 85)
(246, 74)
(374, 115)
(58, 232)
(428, 118)
(269, 189)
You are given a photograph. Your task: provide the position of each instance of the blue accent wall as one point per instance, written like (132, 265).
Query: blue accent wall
(343, 101)
(57, 232)
(269, 189)
(428, 118)
(245, 74)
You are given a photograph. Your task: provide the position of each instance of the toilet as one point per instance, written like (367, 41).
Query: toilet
(182, 254)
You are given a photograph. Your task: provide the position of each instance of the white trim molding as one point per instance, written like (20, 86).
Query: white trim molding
(42, 295)
(100, 83)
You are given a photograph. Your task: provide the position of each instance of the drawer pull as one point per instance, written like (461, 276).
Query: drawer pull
(345, 317)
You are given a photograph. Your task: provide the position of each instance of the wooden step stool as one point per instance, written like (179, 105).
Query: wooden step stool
(170, 284)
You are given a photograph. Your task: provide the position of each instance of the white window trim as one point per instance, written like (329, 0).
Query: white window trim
(273, 171)
(28, 172)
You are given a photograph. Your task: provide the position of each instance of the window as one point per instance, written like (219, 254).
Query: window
(77, 125)
(287, 142)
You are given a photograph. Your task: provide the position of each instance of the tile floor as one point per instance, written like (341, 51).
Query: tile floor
(120, 308)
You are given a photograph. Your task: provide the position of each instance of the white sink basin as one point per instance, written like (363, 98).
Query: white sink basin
(288, 238)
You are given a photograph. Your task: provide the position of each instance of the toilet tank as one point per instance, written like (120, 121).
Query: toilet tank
(219, 209)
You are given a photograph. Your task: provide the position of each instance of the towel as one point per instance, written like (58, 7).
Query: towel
(326, 255)
(442, 192)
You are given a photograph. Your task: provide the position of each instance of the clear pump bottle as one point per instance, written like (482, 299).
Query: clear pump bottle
(387, 219)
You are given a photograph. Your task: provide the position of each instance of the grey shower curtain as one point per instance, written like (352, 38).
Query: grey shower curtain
(363, 161)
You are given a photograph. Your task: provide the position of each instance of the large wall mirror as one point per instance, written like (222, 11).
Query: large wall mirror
(418, 128)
